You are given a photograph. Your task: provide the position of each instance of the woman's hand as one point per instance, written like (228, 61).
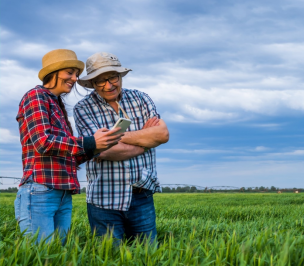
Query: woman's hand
(105, 139)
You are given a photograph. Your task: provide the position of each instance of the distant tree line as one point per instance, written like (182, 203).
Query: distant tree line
(15, 190)
(10, 189)
(192, 189)
(180, 189)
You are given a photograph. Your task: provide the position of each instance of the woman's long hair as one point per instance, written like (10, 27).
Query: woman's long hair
(46, 80)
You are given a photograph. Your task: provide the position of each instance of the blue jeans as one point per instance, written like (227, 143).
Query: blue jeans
(43, 208)
(139, 220)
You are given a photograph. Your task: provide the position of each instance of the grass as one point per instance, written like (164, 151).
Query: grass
(193, 229)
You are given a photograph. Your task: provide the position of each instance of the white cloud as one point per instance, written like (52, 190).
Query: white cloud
(269, 156)
(292, 53)
(181, 103)
(7, 137)
(5, 34)
(237, 173)
(29, 50)
(89, 47)
(15, 81)
(291, 153)
(170, 160)
(267, 125)
(200, 63)
(236, 154)
(10, 152)
(196, 104)
(261, 148)
(192, 151)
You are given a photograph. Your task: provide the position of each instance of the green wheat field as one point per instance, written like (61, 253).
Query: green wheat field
(193, 229)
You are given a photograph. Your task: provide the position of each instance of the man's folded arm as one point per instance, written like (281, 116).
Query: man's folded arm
(150, 137)
(120, 152)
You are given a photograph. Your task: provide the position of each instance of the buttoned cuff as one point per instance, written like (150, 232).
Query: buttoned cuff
(89, 146)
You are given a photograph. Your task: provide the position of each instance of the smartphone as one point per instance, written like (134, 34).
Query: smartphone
(123, 123)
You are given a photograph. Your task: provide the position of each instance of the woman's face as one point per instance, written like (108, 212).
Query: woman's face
(66, 80)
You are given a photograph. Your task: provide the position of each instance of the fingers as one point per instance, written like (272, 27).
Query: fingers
(111, 143)
(108, 145)
(105, 141)
(115, 137)
(151, 122)
(155, 122)
(147, 123)
(113, 131)
(104, 129)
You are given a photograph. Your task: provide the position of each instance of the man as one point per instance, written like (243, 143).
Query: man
(121, 182)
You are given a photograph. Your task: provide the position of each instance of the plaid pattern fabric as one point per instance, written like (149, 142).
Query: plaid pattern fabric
(49, 151)
(110, 182)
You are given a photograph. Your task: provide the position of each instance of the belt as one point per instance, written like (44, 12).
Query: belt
(137, 190)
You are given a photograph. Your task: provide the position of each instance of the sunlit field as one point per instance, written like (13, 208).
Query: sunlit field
(193, 229)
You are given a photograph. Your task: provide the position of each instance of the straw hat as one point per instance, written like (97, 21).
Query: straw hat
(100, 63)
(59, 59)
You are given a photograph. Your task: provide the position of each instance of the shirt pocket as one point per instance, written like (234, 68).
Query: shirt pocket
(55, 120)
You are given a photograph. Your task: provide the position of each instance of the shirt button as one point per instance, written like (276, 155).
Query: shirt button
(74, 171)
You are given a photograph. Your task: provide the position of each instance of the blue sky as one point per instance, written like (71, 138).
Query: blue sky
(226, 76)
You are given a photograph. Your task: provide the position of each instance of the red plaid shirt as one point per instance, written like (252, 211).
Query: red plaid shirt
(50, 153)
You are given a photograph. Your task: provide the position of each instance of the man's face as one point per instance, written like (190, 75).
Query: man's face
(108, 85)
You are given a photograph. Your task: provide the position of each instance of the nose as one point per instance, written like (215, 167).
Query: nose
(108, 85)
(74, 77)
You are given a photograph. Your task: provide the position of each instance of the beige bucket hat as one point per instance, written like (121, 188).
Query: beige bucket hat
(100, 63)
(59, 59)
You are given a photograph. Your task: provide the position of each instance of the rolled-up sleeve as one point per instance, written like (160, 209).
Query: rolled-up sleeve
(149, 106)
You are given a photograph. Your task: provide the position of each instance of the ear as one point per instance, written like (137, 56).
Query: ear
(92, 84)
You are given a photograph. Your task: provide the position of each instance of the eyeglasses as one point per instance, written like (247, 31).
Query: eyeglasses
(102, 83)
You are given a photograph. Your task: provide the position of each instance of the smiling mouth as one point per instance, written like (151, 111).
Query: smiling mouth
(110, 90)
(70, 84)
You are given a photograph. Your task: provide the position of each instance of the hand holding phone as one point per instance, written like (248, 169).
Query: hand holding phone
(123, 123)
(105, 139)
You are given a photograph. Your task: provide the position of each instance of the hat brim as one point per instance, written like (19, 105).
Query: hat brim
(86, 81)
(61, 65)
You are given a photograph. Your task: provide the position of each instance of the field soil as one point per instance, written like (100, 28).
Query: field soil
(193, 229)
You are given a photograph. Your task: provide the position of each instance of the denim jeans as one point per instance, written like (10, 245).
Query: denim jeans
(43, 208)
(139, 220)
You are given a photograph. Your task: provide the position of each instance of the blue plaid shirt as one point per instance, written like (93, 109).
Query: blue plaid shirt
(110, 182)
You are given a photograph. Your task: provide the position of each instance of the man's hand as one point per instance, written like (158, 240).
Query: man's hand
(153, 134)
(152, 122)
(105, 139)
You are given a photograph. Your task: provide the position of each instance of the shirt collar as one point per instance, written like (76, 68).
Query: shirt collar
(47, 91)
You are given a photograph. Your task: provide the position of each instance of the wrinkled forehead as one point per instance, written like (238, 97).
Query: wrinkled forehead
(106, 75)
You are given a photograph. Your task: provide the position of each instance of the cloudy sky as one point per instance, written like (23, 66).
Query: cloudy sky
(226, 76)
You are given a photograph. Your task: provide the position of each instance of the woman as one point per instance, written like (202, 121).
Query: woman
(50, 153)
